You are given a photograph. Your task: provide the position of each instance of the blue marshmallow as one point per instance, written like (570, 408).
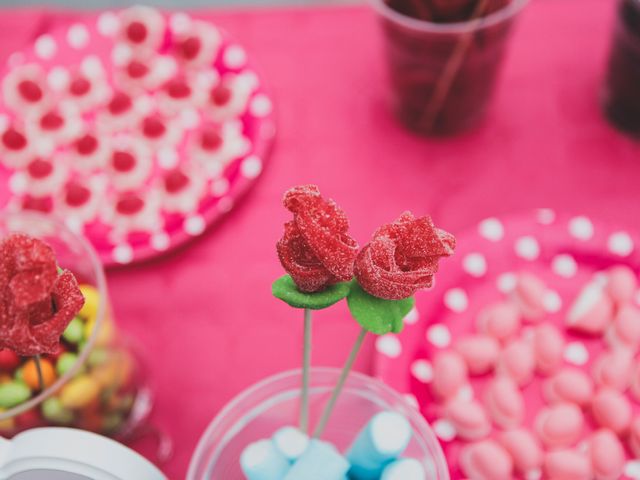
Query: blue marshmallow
(381, 441)
(261, 460)
(320, 461)
(404, 469)
(291, 442)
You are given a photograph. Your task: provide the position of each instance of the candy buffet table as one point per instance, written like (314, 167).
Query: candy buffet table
(205, 314)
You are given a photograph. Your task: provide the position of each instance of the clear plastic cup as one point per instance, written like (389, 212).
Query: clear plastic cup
(103, 388)
(622, 86)
(273, 403)
(442, 75)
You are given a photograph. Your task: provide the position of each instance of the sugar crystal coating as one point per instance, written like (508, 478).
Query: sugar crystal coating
(36, 303)
(402, 257)
(316, 249)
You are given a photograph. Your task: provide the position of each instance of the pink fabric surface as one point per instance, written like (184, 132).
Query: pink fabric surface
(205, 313)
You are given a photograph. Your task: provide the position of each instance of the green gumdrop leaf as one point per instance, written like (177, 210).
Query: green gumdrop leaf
(377, 315)
(286, 290)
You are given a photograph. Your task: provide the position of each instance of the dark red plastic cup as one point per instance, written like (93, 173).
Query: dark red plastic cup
(622, 85)
(442, 75)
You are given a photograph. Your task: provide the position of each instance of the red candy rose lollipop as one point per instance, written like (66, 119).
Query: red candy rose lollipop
(36, 303)
(402, 257)
(316, 249)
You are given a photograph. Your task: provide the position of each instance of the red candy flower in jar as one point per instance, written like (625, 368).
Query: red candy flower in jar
(16, 149)
(316, 249)
(36, 303)
(141, 28)
(402, 257)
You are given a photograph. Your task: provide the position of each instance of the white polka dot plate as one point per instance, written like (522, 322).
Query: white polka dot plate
(138, 129)
(569, 255)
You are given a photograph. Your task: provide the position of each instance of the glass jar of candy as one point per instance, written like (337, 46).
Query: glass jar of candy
(273, 403)
(622, 85)
(94, 382)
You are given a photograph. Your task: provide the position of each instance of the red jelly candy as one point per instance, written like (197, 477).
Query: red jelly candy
(36, 304)
(9, 361)
(316, 249)
(402, 257)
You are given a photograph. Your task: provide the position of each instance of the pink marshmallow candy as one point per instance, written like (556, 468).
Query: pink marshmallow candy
(500, 320)
(449, 375)
(560, 425)
(529, 296)
(634, 437)
(567, 465)
(607, 455)
(548, 345)
(469, 419)
(517, 360)
(486, 460)
(624, 332)
(479, 352)
(568, 385)
(524, 449)
(504, 402)
(622, 284)
(611, 410)
(592, 310)
(613, 369)
(634, 384)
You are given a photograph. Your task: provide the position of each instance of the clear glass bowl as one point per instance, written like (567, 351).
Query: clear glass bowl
(101, 386)
(262, 409)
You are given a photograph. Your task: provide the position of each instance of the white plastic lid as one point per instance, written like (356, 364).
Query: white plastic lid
(70, 454)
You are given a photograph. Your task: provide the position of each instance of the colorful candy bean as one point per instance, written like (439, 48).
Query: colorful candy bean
(500, 320)
(611, 410)
(607, 455)
(548, 345)
(568, 385)
(504, 402)
(7, 424)
(65, 362)
(53, 411)
(480, 352)
(449, 374)
(486, 460)
(79, 392)
(560, 425)
(567, 465)
(74, 332)
(524, 448)
(592, 310)
(91, 302)
(30, 373)
(9, 361)
(469, 419)
(13, 393)
(517, 360)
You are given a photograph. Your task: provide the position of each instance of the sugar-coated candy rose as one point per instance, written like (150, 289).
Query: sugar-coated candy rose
(316, 249)
(402, 257)
(36, 303)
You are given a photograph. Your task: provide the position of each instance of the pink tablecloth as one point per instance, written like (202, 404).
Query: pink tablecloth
(206, 313)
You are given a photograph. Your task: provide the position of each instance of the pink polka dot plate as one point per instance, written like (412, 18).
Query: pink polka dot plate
(524, 354)
(139, 129)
